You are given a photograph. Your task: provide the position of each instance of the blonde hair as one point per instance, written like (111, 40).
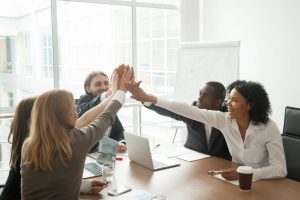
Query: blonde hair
(50, 124)
(19, 129)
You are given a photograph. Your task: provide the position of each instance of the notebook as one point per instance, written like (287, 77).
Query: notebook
(138, 150)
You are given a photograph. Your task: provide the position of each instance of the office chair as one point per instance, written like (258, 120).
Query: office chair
(291, 142)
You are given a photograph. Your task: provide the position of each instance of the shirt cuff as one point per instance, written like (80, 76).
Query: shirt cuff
(85, 186)
(102, 96)
(147, 104)
(256, 174)
(120, 96)
(162, 103)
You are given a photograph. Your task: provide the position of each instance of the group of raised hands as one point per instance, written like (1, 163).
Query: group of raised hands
(123, 78)
(127, 82)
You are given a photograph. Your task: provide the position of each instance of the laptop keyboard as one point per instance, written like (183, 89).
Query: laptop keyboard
(94, 168)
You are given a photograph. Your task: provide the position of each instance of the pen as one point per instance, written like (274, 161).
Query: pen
(215, 172)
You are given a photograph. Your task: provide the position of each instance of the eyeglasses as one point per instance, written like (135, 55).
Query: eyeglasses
(77, 109)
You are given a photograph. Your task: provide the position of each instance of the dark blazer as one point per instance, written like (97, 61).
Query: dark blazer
(88, 101)
(196, 138)
(12, 188)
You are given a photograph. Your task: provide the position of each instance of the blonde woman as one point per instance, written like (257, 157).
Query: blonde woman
(54, 153)
(19, 131)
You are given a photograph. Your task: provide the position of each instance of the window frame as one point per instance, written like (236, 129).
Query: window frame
(133, 4)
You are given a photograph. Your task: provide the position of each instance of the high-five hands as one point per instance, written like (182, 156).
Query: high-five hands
(125, 74)
(138, 93)
(113, 82)
(127, 82)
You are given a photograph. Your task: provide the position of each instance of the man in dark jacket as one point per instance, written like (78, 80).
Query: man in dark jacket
(201, 137)
(96, 86)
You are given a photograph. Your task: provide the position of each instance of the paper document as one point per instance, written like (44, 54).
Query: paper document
(219, 176)
(134, 195)
(236, 182)
(192, 156)
(108, 146)
(107, 152)
(170, 151)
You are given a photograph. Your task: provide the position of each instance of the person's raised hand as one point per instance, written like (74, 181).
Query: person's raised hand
(126, 76)
(121, 147)
(138, 93)
(114, 80)
(120, 70)
(132, 79)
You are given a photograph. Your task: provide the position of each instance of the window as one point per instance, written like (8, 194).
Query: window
(157, 49)
(91, 35)
(7, 49)
(26, 60)
(46, 52)
(25, 50)
(174, 2)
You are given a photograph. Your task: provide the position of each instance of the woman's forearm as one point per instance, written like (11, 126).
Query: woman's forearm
(91, 114)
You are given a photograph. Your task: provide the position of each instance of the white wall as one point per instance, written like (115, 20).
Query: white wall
(269, 31)
(190, 20)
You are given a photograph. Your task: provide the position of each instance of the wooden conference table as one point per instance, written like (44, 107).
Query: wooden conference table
(190, 181)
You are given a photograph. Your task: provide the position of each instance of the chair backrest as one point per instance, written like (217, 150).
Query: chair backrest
(292, 121)
(291, 141)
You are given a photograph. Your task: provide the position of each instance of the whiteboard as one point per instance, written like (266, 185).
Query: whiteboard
(203, 62)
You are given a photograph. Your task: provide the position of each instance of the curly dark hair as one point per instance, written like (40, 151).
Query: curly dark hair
(256, 96)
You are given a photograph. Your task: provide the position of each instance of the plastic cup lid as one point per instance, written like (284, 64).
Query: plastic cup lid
(245, 169)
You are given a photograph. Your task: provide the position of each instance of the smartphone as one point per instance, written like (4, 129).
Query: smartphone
(119, 190)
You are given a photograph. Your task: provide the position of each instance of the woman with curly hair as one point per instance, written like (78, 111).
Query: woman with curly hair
(253, 138)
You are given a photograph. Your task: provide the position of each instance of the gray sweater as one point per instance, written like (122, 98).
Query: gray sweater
(64, 182)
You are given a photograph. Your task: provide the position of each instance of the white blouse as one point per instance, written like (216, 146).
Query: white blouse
(261, 149)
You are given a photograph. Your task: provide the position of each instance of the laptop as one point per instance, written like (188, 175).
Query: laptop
(91, 168)
(107, 150)
(138, 150)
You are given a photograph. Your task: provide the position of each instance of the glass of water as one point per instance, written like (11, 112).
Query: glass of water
(107, 162)
(108, 169)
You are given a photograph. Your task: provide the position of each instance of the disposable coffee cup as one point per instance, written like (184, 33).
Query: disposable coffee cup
(245, 177)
